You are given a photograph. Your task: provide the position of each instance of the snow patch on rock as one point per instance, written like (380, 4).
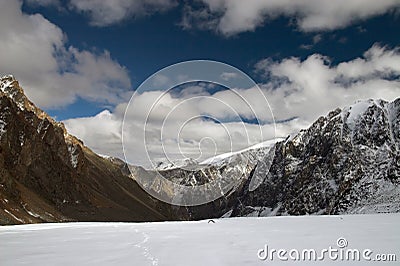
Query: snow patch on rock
(355, 111)
(73, 151)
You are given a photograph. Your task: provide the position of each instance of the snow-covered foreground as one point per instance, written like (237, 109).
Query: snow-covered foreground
(234, 241)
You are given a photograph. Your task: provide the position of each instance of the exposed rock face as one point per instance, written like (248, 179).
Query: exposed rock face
(47, 175)
(346, 162)
(223, 178)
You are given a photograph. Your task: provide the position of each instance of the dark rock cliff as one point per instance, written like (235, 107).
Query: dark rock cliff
(47, 175)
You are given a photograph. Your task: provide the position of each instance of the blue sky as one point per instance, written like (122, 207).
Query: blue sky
(145, 45)
(81, 61)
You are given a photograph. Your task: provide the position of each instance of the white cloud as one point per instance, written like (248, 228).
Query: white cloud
(176, 124)
(229, 75)
(161, 80)
(310, 88)
(377, 61)
(103, 13)
(298, 91)
(230, 17)
(102, 132)
(53, 74)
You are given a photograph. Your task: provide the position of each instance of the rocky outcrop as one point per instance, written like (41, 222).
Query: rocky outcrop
(47, 175)
(346, 162)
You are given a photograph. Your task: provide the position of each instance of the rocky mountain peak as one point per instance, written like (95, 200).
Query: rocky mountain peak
(48, 175)
(10, 87)
(345, 162)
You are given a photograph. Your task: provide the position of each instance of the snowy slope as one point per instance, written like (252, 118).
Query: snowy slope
(218, 160)
(254, 149)
(234, 241)
(162, 164)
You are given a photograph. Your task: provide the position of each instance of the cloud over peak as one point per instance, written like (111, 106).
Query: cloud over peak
(298, 91)
(312, 87)
(52, 72)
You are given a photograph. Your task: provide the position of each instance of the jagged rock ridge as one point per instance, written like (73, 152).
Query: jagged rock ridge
(47, 175)
(346, 162)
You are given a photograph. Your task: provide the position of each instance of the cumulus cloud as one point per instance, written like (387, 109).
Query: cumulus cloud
(299, 91)
(189, 123)
(101, 132)
(52, 73)
(378, 61)
(230, 17)
(307, 89)
(103, 13)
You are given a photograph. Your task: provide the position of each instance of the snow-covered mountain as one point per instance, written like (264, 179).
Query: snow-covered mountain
(256, 151)
(253, 153)
(219, 177)
(346, 162)
(165, 164)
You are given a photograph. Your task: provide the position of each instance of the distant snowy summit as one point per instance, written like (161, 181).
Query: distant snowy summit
(163, 164)
(256, 151)
(345, 162)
